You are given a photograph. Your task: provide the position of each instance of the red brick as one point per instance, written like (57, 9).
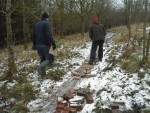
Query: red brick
(58, 111)
(60, 105)
(68, 95)
(78, 107)
(61, 111)
(114, 106)
(66, 108)
(65, 111)
(89, 99)
(72, 109)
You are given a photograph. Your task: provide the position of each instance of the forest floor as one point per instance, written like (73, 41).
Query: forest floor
(111, 85)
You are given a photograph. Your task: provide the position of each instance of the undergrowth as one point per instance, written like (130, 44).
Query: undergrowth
(131, 50)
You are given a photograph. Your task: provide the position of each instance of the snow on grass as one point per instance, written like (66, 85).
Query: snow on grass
(110, 86)
(116, 86)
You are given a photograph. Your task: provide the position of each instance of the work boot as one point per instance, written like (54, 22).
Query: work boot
(41, 68)
(91, 62)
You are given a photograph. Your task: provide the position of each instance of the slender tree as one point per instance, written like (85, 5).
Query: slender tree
(61, 8)
(11, 61)
(24, 25)
(83, 7)
(144, 30)
(128, 13)
(148, 47)
(102, 9)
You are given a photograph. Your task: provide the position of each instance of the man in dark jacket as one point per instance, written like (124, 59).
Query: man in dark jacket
(42, 41)
(97, 34)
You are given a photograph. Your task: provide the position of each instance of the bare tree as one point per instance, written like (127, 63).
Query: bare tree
(83, 8)
(102, 8)
(61, 8)
(148, 47)
(11, 65)
(24, 26)
(128, 12)
(144, 30)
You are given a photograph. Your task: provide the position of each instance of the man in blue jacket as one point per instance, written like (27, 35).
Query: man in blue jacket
(42, 41)
(97, 34)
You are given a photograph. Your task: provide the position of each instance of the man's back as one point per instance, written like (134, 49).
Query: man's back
(43, 33)
(97, 32)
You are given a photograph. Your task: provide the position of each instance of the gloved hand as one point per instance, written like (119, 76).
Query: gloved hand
(54, 46)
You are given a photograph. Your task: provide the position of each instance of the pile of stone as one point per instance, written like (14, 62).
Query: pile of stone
(74, 100)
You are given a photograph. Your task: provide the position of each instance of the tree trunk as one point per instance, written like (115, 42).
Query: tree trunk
(24, 27)
(62, 19)
(128, 14)
(82, 17)
(11, 63)
(83, 25)
(147, 47)
(144, 32)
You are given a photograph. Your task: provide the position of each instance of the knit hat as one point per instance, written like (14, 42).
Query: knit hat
(95, 20)
(45, 15)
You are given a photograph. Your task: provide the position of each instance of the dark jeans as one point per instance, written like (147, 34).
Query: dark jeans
(43, 52)
(95, 44)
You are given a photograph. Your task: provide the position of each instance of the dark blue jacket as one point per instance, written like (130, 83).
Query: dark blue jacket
(42, 34)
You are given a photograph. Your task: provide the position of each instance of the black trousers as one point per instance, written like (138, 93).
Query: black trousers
(95, 44)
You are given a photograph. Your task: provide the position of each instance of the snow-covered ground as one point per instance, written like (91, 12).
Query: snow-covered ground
(111, 86)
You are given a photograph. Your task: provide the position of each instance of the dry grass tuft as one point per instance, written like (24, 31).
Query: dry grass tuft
(74, 40)
(3, 55)
(131, 64)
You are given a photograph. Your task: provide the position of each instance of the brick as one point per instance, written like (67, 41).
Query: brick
(72, 91)
(60, 106)
(114, 106)
(76, 88)
(66, 108)
(76, 106)
(65, 111)
(77, 77)
(89, 99)
(61, 111)
(72, 110)
(58, 111)
(68, 95)
(77, 99)
(89, 75)
(82, 92)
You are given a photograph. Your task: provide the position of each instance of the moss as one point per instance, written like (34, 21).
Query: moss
(56, 74)
(141, 74)
(148, 83)
(4, 91)
(20, 79)
(20, 108)
(146, 111)
(28, 93)
(24, 92)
